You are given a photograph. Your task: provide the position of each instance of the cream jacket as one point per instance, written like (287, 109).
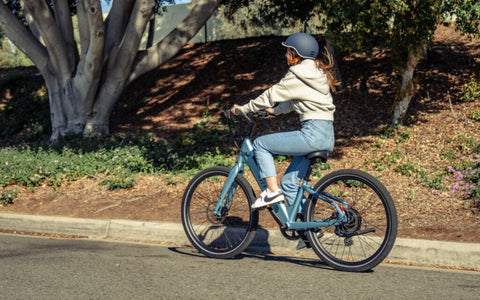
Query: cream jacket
(304, 89)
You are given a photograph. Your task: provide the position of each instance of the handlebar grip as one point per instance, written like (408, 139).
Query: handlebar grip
(239, 112)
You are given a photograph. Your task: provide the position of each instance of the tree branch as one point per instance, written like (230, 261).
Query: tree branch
(97, 36)
(118, 67)
(23, 39)
(63, 20)
(116, 24)
(175, 40)
(50, 33)
(83, 28)
(90, 65)
(142, 11)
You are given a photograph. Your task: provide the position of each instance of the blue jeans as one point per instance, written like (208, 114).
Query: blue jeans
(315, 135)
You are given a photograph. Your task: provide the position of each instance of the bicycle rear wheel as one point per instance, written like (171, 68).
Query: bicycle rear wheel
(222, 236)
(368, 235)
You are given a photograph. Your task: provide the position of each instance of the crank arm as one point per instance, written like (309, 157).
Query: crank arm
(359, 232)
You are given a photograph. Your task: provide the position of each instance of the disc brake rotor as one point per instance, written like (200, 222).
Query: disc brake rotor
(211, 217)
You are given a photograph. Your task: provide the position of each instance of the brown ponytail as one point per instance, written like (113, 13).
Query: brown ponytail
(327, 69)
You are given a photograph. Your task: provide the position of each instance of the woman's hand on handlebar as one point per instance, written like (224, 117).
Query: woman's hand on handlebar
(235, 109)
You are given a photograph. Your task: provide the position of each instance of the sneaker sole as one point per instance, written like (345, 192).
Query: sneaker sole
(267, 204)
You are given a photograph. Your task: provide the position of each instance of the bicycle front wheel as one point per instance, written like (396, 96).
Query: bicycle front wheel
(223, 236)
(367, 236)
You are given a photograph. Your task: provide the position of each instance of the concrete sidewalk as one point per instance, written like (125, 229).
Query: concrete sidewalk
(411, 251)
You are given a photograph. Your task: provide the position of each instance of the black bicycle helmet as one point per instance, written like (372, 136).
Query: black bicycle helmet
(304, 44)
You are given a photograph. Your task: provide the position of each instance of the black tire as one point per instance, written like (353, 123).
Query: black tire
(218, 237)
(373, 209)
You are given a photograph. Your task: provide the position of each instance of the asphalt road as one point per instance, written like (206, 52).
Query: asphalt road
(45, 268)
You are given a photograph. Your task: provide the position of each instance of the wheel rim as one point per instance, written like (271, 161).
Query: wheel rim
(340, 245)
(217, 234)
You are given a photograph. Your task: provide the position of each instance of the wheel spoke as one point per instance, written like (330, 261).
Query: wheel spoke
(367, 236)
(218, 236)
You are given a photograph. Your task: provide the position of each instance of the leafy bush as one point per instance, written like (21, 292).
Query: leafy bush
(466, 180)
(120, 179)
(7, 195)
(401, 132)
(10, 56)
(474, 115)
(117, 158)
(471, 90)
(406, 169)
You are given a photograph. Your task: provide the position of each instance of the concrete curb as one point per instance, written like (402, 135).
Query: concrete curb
(411, 251)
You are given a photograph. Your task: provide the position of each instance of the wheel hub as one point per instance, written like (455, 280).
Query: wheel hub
(211, 217)
(352, 223)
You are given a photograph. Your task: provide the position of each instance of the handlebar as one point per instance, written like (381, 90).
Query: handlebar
(249, 117)
(257, 115)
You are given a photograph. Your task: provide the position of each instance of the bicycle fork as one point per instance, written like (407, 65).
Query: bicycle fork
(228, 191)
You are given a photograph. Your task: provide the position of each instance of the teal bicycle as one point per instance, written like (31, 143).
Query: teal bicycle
(349, 218)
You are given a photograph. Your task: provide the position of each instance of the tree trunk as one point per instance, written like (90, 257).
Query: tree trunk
(407, 88)
(84, 87)
(123, 68)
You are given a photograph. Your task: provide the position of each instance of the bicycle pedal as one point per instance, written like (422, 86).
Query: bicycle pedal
(303, 244)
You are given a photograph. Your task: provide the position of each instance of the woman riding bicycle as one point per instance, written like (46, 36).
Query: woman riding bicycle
(219, 210)
(305, 89)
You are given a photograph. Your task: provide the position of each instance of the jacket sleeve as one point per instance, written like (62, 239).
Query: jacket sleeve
(269, 98)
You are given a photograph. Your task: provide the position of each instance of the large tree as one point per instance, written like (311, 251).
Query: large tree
(404, 26)
(85, 77)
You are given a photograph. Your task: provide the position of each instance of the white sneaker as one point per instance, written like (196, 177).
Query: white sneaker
(267, 198)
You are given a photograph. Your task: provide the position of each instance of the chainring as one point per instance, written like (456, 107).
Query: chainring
(293, 234)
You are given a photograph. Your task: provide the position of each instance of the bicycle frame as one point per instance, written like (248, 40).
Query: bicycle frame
(286, 215)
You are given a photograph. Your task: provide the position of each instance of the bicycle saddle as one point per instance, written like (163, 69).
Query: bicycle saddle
(319, 155)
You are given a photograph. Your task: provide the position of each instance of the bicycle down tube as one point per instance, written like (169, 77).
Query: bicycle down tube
(245, 157)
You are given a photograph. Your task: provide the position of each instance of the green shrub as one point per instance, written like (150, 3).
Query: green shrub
(474, 115)
(120, 179)
(466, 181)
(434, 180)
(471, 90)
(119, 158)
(11, 56)
(7, 195)
(406, 169)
